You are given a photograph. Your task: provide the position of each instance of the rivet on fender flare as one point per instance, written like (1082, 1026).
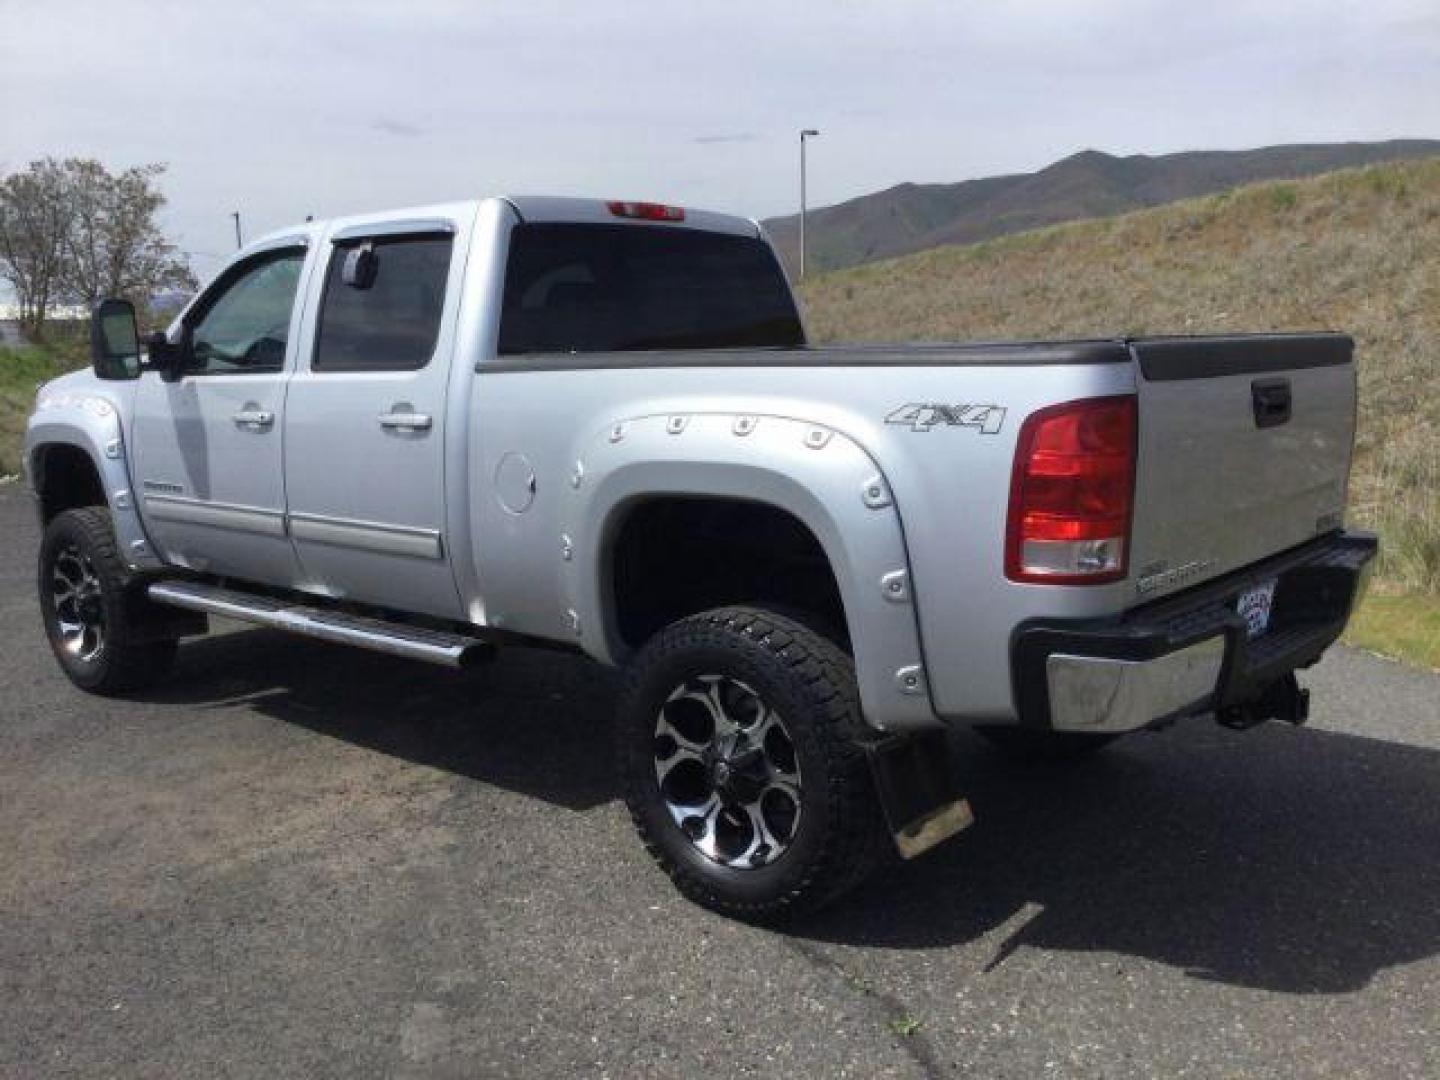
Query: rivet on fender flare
(911, 680)
(617, 432)
(817, 437)
(896, 586)
(122, 499)
(567, 549)
(676, 424)
(572, 620)
(743, 425)
(578, 475)
(875, 494)
(112, 448)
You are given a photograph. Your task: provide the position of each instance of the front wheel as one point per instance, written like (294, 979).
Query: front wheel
(738, 739)
(88, 619)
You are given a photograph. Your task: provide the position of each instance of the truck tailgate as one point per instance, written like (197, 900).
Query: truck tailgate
(1244, 451)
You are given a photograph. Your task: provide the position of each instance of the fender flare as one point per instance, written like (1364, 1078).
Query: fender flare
(822, 477)
(91, 424)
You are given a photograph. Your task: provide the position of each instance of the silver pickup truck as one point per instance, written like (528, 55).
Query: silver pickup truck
(597, 425)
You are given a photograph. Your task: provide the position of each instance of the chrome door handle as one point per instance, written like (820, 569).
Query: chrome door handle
(406, 421)
(255, 419)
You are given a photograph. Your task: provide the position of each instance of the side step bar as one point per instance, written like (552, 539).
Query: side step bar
(397, 639)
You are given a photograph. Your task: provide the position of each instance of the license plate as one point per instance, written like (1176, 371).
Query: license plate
(1254, 607)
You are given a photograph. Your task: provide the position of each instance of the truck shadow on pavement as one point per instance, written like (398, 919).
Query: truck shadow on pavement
(1293, 860)
(534, 722)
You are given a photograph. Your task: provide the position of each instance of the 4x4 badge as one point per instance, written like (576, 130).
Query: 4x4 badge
(923, 417)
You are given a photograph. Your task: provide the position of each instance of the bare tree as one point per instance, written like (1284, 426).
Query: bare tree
(72, 230)
(35, 216)
(113, 246)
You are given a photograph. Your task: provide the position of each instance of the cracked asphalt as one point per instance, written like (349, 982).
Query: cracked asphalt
(295, 860)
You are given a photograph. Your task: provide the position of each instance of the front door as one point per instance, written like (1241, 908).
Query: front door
(207, 460)
(365, 421)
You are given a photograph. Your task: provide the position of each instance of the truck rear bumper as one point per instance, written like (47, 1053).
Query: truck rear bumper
(1188, 653)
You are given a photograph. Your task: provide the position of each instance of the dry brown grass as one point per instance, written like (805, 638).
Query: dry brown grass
(1357, 250)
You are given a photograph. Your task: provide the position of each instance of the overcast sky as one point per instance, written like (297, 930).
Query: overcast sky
(279, 108)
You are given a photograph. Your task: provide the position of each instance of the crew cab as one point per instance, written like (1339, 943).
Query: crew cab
(599, 426)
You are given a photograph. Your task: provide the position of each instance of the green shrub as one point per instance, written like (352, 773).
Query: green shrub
(1283, 197)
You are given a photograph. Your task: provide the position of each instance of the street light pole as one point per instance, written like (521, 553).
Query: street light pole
(804, 134)
(236, 215)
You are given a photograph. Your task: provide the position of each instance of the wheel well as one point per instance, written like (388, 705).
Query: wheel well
(66, 478)
(672, 557)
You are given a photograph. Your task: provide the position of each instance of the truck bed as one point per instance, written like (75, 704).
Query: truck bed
(1215, 490)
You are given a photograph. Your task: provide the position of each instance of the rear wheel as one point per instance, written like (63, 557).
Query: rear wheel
(88, 617)
(738, 744)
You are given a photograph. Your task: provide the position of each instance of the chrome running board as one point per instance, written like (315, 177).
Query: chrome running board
(342, 628)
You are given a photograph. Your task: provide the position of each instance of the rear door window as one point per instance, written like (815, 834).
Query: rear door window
(604, 288)
(387, 319)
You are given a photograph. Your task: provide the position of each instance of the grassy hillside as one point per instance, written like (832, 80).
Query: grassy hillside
(21, 370)
(1357, 250)
(915, 217)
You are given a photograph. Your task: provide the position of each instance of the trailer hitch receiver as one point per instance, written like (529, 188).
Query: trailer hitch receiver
(1284, 699)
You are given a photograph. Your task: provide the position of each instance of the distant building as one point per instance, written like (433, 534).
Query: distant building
(61, 312)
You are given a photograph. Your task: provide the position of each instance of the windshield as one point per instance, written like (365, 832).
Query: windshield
(603, 288)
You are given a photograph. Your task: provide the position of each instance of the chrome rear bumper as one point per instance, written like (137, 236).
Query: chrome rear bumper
(1100, 694)
(1188, 653)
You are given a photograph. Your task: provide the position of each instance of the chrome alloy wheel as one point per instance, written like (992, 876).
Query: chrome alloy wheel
(727, 771)
(77, 595)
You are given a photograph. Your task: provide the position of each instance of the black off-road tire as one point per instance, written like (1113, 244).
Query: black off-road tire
(129, 656)
(1029, 744)
(838, 836)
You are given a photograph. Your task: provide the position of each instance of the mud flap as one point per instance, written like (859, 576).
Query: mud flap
(917, 791)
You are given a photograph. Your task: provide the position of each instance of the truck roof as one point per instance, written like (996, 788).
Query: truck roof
(529, 208)
(552, 208)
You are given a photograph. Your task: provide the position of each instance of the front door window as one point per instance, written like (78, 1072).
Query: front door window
(245, 326)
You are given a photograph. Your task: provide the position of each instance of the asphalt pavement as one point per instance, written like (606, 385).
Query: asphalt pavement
(294, 860)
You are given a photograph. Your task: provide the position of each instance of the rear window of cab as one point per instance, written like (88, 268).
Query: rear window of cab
(605, 288)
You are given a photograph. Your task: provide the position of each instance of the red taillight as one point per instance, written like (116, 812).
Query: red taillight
(647, 211)
(1071, 493)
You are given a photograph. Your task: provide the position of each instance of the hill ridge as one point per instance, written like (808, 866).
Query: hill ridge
(913, 216)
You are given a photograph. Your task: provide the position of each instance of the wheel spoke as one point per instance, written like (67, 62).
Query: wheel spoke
(769, 720)
(764, 845)
(683, 753)
(785, 766)
(62, 592)
(786, 787)
(704, 835)
(71, 575)
(665, 729)
(724, 723)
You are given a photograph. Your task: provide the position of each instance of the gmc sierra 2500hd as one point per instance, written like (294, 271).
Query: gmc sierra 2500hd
(598, 424)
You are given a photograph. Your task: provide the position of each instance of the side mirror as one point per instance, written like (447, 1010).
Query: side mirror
(114, 340)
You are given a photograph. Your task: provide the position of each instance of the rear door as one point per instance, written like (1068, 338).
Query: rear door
(365, 419)
(1244, 451)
